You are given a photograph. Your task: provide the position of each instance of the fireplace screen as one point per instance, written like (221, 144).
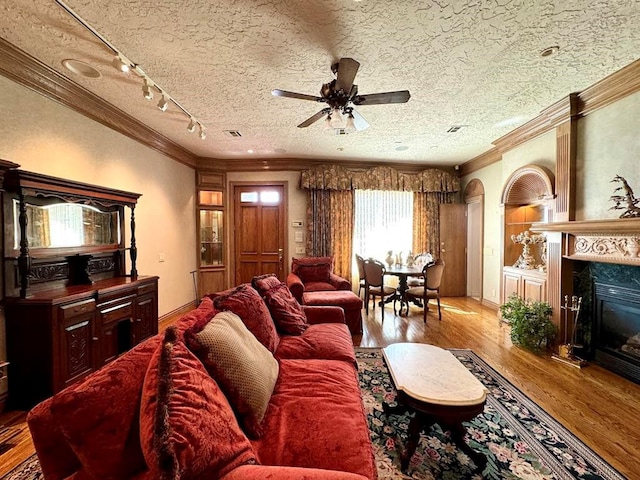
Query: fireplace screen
(618, 329)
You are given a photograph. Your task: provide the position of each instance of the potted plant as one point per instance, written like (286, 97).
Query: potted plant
(531, 325)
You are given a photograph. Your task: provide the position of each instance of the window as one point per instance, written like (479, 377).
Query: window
(383, 222)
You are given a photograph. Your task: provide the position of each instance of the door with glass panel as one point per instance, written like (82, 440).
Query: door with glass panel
(259, 226)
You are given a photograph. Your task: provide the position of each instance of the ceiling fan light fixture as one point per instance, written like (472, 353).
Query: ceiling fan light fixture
(336, 119)
(350, 126)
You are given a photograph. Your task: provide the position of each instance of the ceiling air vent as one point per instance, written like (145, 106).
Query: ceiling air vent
(232, 133)
(456, 128)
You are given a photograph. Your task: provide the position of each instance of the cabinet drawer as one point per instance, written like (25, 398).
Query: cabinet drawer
(148, 288)
(117, 312)
(79, 308)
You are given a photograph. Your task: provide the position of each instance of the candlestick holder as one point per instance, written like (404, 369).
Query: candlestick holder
(571, 314)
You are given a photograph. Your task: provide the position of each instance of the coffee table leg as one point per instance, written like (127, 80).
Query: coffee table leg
(418, 423)
(457, 433)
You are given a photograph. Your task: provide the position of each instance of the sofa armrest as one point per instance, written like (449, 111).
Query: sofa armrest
(323, 314)
(339, 282)
(270, 472)
(296, 287)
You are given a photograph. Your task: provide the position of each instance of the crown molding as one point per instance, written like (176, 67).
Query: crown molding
(29, 72)
(299, 164)
(620, 84)
(616, 86)
(483, 160)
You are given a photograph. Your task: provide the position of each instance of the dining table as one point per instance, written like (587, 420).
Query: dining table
(403, 272)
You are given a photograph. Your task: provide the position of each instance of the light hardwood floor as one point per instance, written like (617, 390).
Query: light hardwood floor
(599, 407)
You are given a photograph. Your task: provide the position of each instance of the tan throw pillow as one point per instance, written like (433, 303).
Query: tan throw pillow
(243, 367)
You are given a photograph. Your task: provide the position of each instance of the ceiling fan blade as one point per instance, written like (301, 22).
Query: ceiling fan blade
(315, 118)
(347, 69)
(300, 96)
(401, 96)
(359, 121)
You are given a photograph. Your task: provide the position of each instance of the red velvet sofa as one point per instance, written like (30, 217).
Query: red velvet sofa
(314, 426)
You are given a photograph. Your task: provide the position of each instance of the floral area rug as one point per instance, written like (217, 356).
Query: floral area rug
(518, 438)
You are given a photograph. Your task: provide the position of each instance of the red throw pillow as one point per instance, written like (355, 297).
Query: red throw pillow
(187, 427)
(99, 416)
(245, 302)
(286, 312)
(265, 282)
(312, 269)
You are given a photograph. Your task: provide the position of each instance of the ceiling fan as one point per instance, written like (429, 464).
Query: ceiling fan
(341, 95)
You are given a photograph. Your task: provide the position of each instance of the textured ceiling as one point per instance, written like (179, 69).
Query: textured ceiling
(474, 63)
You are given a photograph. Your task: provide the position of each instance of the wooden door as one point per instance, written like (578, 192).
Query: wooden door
(453, 240)
(259, 226)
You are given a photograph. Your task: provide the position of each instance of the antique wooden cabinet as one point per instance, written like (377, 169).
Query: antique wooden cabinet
(70, 305)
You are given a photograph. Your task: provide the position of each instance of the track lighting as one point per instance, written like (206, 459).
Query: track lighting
(163, 104)
(120, 65)
(123, 64)
(146, 89)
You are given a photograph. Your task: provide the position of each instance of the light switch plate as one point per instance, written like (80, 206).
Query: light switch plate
(299, 250)
(297, 237)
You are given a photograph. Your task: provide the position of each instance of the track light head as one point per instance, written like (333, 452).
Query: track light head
(163, 104)
(120, 65)
(192, 126)
(146, 89)
(201, 133)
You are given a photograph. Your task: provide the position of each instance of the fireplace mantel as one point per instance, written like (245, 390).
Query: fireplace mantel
(614, 240)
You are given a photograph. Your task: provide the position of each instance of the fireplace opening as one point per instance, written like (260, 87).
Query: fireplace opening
(617, 336)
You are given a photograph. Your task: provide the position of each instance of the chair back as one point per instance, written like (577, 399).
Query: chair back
(374, 272)
(360, 263)
(422, 259)
(433, 274)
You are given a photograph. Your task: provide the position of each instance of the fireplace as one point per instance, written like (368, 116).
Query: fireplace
(617, 329)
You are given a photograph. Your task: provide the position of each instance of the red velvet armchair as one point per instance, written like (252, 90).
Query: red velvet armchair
(313, 274)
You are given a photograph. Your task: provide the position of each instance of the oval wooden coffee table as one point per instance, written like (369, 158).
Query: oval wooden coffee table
(431, 382)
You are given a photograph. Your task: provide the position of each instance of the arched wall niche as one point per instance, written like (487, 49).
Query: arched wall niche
(473, 189)
(530, 184)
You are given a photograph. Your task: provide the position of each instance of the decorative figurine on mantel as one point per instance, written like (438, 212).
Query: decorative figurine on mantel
(526, 261)
(632, 208)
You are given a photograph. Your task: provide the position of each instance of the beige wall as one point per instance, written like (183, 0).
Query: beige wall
(608, 145)
(45, 137)
(296, 207)
(539, 151)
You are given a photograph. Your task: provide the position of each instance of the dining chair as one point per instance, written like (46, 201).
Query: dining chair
(419, 261)
(432, 274)
(362, 283)
(374, 283)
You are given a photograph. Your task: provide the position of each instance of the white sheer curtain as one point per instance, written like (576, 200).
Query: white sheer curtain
(384, 221)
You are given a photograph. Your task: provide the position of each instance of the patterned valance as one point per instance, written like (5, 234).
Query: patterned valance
(336, 177)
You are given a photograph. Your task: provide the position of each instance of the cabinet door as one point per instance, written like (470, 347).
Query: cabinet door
(115, 320)
(146, 319)
(77, 343)
(511, 283)
(534, 289)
